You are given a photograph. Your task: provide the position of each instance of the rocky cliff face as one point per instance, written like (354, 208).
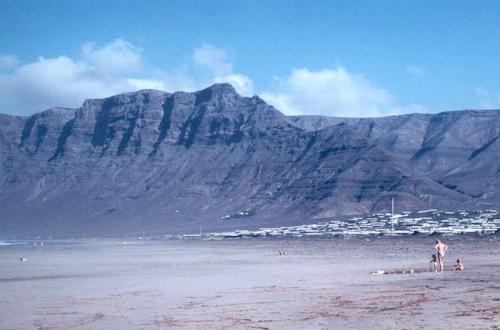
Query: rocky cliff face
(158, 162)
(458, 149)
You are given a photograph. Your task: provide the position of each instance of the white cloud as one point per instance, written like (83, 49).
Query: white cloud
(213, 58)
(220, 68)
(284, 102)
(8, 62)
(117, 57)
(119, 67)
(138, 84)
(63, 81)
(415, 70)
(243, 84)
(103, 71)
(48, 82)
(331, 92)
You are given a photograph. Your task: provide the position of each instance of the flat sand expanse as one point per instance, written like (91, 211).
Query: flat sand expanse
(247, 284)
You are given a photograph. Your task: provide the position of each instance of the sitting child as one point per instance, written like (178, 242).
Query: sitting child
(433, 264)
(459, 265)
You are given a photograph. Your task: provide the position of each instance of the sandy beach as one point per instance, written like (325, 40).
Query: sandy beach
(247, 284)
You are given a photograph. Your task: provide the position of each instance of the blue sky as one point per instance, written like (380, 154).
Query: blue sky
(340, 58)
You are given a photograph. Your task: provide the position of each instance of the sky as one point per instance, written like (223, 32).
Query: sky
(335, 58)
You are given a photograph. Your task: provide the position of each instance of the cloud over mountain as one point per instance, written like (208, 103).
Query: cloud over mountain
(329, 92)
(120, 66)
(63, 81)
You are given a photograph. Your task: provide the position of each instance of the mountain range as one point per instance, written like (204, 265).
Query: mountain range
(158, 162)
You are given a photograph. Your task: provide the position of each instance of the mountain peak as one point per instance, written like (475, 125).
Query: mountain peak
(220, 88)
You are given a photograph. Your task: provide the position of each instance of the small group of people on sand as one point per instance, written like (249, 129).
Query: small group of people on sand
(441, 249)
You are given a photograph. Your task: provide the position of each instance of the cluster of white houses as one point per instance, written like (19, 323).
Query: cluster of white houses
(425, 222)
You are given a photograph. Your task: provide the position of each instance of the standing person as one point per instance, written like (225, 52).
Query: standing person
(441, 249)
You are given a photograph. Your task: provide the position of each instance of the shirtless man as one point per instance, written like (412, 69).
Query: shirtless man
(441, 249)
